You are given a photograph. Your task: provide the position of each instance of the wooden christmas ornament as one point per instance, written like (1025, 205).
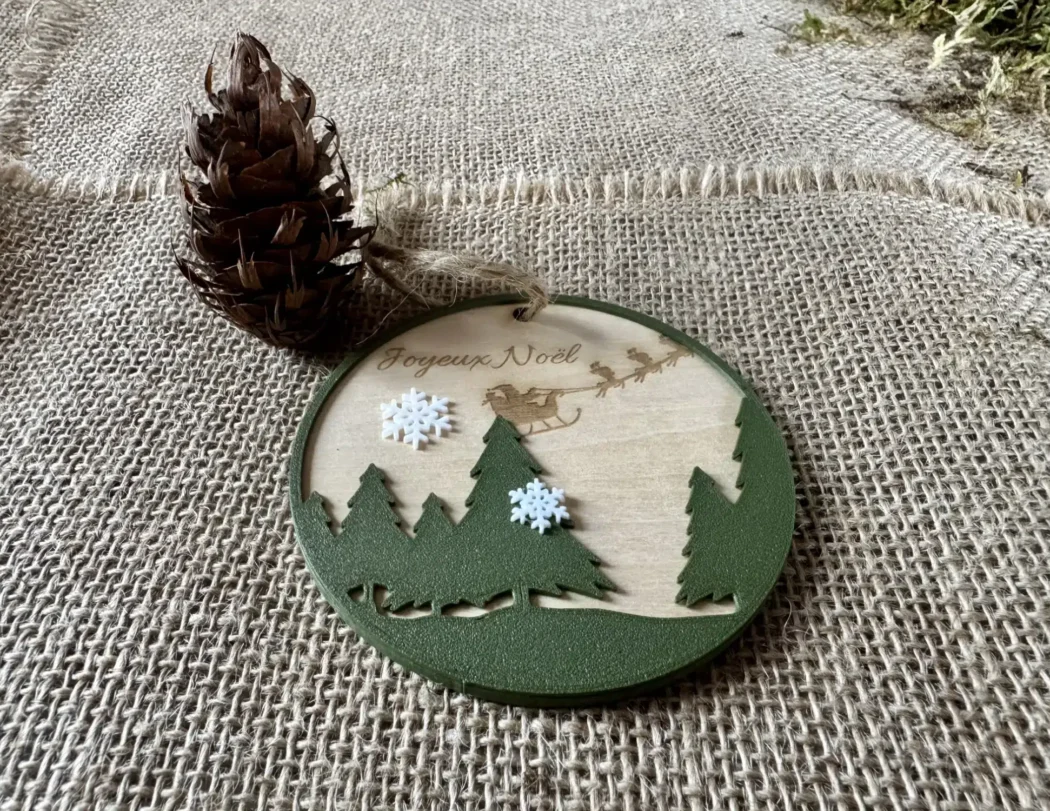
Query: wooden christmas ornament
(566, 510)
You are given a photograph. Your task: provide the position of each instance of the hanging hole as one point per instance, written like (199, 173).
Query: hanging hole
(521, 314)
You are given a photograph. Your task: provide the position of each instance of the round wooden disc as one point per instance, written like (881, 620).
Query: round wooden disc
(658, 445)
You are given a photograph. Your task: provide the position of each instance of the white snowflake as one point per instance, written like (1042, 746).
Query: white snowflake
(415, 418)
(539, 505)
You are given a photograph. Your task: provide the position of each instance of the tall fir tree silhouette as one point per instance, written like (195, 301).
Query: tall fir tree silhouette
(433, 550)
(320, 547)
(492, 555)
(314, 520)
(484, 556)
(373, 549)
(720, 530)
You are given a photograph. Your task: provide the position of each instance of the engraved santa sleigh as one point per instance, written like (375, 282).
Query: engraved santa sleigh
(531, 408)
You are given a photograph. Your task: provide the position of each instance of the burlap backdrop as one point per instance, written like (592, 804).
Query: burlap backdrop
(161, 643)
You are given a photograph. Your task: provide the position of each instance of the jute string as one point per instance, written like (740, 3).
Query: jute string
(406, 270)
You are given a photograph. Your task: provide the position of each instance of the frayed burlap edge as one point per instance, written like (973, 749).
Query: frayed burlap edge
(50, 26)
(712, 181)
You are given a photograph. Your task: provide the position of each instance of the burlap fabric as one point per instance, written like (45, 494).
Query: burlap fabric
(161, 643)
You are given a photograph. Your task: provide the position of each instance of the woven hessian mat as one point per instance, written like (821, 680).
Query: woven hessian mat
(162, 645)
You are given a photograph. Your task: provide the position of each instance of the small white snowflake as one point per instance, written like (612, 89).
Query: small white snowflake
(415, 418)
(539, 505)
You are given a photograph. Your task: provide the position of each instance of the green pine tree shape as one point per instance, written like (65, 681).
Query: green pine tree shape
(320, 545)
(490, 555)
(314, 519)
(719, 530)
(373, 548)
(433, 549)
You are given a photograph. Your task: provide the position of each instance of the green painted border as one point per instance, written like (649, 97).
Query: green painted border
(733, 624)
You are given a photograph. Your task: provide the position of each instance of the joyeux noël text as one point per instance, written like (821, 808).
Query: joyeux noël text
(527, 355)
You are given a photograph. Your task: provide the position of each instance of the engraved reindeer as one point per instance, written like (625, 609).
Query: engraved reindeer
(645, 364)
(677, 351)
(609, 378)
(527, 409)
(539, 407)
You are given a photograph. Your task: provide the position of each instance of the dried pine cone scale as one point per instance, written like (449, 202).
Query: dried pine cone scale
(269, 211)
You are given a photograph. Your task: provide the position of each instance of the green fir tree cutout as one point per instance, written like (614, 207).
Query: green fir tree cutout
(371, 534)
(502, 556)
(313, 517)
(434, 548)
(720, 532)
(483, 557)
(710, 570)
(486, 555)
(370, 549)
(533, 654)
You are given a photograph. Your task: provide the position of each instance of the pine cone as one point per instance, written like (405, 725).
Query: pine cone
(271, 209)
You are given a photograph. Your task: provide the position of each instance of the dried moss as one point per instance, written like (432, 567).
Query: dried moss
(814, 29)
(989, 59)
(1013, 36)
